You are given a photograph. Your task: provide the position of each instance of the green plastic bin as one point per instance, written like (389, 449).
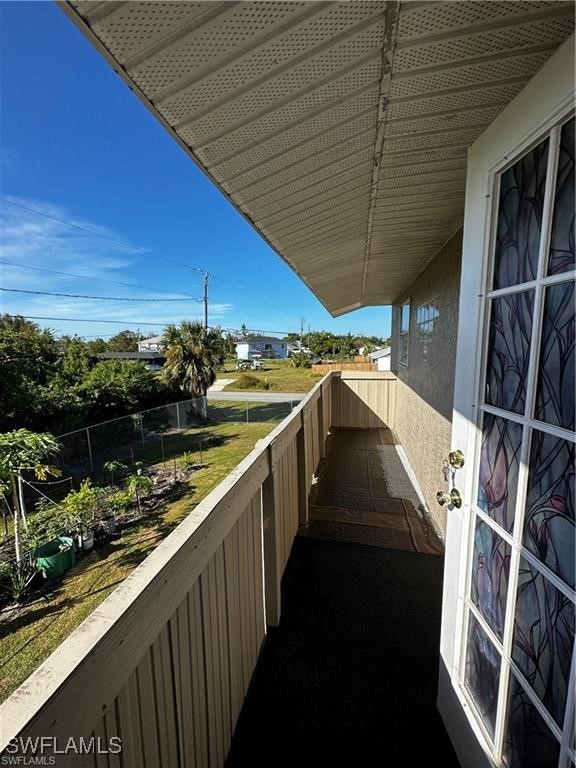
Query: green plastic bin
(56, 557)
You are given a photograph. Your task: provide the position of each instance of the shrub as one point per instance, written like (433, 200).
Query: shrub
(120, 502)
(47, 523)
(82, 505)
(186, 460)
(138, 486)
(21, 576)
(248, 381)
(300, 360)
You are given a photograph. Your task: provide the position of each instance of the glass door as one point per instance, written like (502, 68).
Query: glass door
(517, 668)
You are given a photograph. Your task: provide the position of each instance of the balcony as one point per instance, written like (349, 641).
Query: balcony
(298, 604)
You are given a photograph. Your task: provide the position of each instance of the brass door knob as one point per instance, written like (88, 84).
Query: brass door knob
(453, 498)
(456, 459)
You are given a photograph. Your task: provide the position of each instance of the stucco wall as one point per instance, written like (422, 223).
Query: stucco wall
(425, 389)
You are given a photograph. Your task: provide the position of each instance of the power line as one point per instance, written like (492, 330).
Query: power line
(249, 295)
(88, 320)
(140, 250)
(124, 244)
(132, 322)
(81, 296)
(92, 279)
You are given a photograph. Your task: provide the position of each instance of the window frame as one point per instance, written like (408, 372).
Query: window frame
(404, 334)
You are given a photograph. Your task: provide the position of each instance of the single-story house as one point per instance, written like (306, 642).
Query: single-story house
(153, 360)
(382, 357)
(265, 346)
(413, 154)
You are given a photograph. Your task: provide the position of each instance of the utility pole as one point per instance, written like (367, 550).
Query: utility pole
(301, 331)
(205, 301)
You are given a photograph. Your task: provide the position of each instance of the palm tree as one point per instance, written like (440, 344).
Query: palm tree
(191, 357)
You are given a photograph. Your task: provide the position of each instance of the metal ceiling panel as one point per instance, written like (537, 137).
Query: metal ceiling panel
(338, 129)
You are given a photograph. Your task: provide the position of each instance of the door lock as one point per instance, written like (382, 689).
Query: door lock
(456, 459)
(454, 498)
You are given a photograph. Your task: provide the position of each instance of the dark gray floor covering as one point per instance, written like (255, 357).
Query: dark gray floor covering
(349, 676)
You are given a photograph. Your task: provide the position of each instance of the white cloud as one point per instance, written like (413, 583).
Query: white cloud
(33, 240)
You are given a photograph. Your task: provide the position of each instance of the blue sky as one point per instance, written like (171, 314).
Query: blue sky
(78, 147)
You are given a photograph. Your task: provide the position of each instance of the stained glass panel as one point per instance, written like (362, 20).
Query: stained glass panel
(549, 519)
(509, 351)
(520, 208)
(482, 674)
(543, 638)
(562, 236)
(498, 480)
(490, 568)
(528, 742)
(555, 392)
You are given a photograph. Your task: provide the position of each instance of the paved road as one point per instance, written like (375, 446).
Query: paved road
(259, 397)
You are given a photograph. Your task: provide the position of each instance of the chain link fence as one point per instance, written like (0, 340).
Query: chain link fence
(85, 451)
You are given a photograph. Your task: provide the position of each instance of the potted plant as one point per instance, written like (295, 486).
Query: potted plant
(82, 506)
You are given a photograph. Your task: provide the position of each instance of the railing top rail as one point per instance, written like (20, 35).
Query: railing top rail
(110, 634)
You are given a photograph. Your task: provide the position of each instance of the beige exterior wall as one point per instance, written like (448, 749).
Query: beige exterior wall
(425, 388)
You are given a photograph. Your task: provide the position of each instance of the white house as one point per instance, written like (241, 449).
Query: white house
(153, 344)
(266, 346)
(381, 357)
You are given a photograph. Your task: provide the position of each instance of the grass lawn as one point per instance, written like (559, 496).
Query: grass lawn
(279, 373)
(33, 632)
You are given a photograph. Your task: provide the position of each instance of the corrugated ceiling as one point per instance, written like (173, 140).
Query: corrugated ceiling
(339, 129)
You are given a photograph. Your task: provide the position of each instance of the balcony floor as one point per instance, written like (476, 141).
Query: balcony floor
(364, 495)
(349, 676)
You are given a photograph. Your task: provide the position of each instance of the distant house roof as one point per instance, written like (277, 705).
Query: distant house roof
(146, 355)
(384, 352)
(260, 339)
(151, 340)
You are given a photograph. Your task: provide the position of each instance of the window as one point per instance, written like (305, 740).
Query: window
(404, 333)
(426, 317)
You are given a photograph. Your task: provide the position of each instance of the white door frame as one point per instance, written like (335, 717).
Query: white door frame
(543, 102)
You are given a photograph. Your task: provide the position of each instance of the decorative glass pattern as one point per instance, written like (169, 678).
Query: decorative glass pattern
(520, 208)
(509, 351)
(482, 675)
(491, 565)
(549, 520)
(562, 237)
(543, 638)
(555, 393)
(528, 742)
(498, 480)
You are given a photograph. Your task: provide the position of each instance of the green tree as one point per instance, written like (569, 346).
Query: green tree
(27, 359)
(190, 360)
(76, 360)
(24, 450)
(117, 387)
(96, 346)
(125, 341)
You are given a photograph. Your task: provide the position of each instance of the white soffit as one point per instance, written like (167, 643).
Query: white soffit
(339, 129)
